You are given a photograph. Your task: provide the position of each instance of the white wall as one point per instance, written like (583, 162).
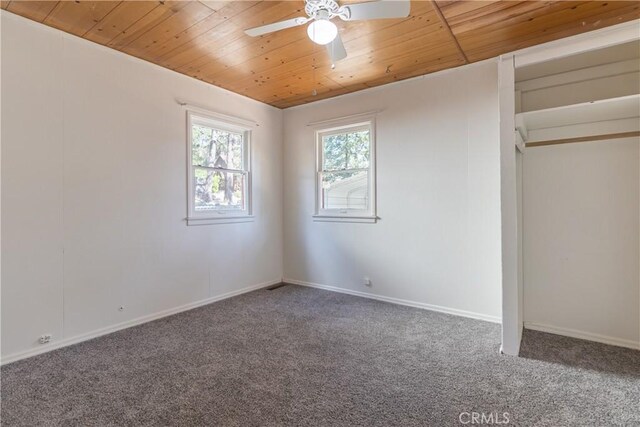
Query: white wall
(437, 242)
(581, 240)
(94, 191)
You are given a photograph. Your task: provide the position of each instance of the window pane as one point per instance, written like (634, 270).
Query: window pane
(346, 151)
(345, 190)
(216, 190)
(216, 148)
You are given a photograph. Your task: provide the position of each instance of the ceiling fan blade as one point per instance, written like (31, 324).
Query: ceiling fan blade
(336, 50)
(276, 26)
(378, 10)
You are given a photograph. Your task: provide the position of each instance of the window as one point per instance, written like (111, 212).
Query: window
(346, 173)
(219, 174)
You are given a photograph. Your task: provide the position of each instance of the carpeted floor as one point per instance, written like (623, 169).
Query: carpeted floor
(305, 357)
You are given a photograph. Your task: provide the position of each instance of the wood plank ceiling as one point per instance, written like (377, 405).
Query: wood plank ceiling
(205, 39)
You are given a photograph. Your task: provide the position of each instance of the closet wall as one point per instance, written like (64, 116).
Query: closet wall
(581, 200)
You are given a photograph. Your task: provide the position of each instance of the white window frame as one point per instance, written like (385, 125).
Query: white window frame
(221, 216)
(347, 215)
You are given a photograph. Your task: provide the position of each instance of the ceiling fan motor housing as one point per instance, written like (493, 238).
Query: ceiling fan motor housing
(325, 9)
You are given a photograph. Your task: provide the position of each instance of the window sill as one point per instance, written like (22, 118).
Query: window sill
(345, 218)
(220, 220)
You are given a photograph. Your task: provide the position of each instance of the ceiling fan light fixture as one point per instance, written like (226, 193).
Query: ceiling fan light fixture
(322, 31)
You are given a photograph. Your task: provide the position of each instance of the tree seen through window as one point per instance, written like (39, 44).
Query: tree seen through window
(217, 158)
(345, 169)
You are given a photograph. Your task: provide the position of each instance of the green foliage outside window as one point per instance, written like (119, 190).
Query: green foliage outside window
(344, 152)
(214, 148)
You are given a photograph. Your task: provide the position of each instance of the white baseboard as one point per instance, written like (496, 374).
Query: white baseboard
(129, 323)
(604, 339)
(431, 307)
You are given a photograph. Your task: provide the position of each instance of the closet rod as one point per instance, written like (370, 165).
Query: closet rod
(583, 139)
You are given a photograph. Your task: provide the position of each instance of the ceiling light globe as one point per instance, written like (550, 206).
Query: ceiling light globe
(322, 31)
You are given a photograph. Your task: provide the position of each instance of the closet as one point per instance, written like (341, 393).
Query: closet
(578, 129)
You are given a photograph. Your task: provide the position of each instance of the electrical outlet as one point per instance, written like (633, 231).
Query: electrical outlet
(44, 339)
(366, 281)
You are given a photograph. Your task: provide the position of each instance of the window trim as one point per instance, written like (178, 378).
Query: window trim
(346, 215)
(196, 116)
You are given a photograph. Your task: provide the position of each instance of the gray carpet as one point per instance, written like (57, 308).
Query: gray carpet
(305, 357)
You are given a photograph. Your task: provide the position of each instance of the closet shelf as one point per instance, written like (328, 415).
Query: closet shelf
(625, 107)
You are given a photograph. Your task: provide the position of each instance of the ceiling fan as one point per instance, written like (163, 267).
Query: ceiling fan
(324, 32)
